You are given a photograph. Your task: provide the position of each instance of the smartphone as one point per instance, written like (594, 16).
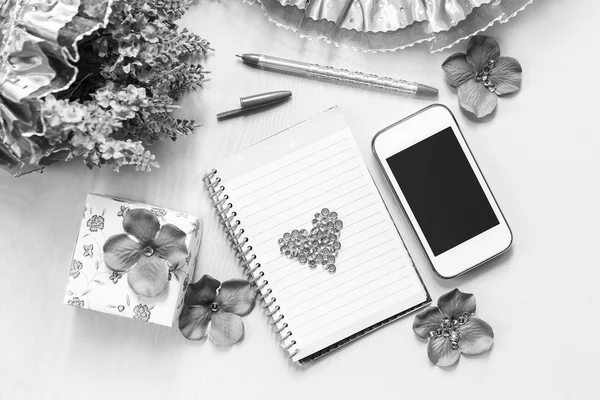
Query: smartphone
(435, 178)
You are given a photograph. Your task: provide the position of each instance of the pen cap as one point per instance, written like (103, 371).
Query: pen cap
(263, 99)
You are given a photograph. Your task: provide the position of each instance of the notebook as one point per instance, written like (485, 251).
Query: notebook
(278, 185)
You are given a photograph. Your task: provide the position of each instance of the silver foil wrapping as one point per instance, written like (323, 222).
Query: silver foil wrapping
(38, 46)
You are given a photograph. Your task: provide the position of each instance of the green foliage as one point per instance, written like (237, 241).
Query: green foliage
(131, 74)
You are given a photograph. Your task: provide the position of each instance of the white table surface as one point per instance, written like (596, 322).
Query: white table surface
(539, 153)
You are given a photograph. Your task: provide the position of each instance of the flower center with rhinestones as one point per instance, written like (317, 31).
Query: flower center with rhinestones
(214, 307)
(148, 251)
(484, 76)
(450, 329)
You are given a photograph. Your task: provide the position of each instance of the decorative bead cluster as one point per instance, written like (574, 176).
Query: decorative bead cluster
(320, 246)
(450, 328)
(484, 76)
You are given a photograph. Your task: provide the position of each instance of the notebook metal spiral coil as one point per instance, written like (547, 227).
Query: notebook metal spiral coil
(243, 249)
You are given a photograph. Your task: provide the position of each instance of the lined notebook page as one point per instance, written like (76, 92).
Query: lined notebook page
(375, 277)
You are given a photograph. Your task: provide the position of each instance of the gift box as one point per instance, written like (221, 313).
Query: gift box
(133, 260)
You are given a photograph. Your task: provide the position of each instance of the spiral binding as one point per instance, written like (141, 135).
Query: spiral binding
(243, 249)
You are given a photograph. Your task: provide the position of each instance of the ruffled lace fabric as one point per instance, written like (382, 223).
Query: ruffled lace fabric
(389, 25)
(38, 44)
(387, 15)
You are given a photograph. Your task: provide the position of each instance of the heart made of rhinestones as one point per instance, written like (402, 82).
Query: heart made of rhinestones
(319, 246)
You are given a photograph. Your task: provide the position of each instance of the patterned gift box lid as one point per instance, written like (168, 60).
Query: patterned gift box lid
(132, 259)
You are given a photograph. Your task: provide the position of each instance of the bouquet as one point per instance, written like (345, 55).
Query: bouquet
(114, 93)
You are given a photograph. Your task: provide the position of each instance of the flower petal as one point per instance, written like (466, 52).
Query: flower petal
(476, 337)
(193, 322)
(482, 49)
(142, 224)
(226, 329)
(476, 98)
(457, 69)
(455, 303)
(441, 353)
(426, 321)
(202, 292)
(170, 244)
(121, 253)
(149, 277)
(236, 296)
(506, 76)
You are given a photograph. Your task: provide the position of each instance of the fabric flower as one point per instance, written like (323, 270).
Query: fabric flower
(481, 75)
(132, 95)
(142, 312)
(452, 329)
(122, 111)
(76, 302)
(146, 252)
(82, 143)
(71, 114)
(76, 266)
(111, 150)
(150, 33)
(150, 52)
(221, 304)
(95, 223)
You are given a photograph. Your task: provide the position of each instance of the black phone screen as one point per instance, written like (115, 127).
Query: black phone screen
(442, 191)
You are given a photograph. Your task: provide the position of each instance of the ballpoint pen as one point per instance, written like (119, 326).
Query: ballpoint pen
(254, 102)
(337, 74)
